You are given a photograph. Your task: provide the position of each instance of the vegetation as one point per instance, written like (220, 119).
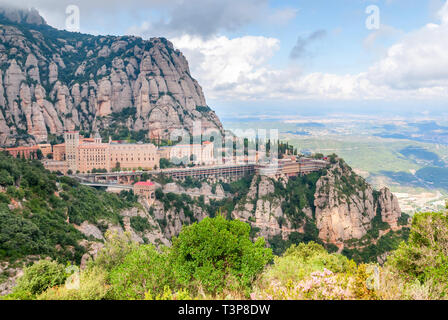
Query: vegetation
(40, 203)
(218, 254)
(424, 258)
(37, 278)
(215, 258)
(140, 224)
(209, 257)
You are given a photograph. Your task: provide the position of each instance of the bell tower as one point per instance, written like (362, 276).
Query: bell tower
(71, 149)
(97, 138)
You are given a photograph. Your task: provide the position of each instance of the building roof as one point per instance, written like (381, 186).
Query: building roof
(22, 148)
(144, 183)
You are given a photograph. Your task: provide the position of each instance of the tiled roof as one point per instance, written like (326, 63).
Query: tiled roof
(144, 183)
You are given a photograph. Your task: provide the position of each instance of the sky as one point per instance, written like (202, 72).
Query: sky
(290, 55)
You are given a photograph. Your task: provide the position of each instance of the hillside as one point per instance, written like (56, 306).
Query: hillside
(45, 215)
(52, 80)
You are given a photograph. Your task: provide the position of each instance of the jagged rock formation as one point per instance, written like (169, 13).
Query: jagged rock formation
(263, 211)
(335, 206)
(342, 207)
(346, 205)
(22, 16)
(52, 80)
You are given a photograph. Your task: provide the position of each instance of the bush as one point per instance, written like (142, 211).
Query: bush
(300, 261)
(140, 224)
(92, 286)
(143, 270)
(115, 250)
(217, 254)
(39, 277)
(425, 256)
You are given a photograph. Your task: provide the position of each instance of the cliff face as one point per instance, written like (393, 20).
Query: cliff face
(336, 208)
(52, 80)
(264, 211)
(346, 205)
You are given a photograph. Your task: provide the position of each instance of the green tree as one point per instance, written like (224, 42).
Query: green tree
(5, 178)
(39, 154)
(216, 254)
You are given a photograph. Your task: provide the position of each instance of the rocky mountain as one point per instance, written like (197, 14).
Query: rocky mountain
(53, 80)
(336, 207)
(345, 205)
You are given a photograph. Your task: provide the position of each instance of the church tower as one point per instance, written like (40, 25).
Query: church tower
(71, 149)
(97, 138)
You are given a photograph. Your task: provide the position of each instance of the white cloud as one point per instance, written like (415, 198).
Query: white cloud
(169, 17)
(416, 67)
(226, 65)
(418, 61)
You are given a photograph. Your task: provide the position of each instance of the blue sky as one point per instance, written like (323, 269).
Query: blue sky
(241, 51)
(341, 51)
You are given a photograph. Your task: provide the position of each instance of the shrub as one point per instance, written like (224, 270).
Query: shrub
(92, 286)
(140, 224)
(116, 248)
(168, 294)
(39, 277)
(319, 285)
(425, 256)
(216, 254)
(300, 261)
(143, 270)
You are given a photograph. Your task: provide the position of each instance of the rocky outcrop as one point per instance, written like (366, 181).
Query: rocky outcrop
(10, 273)
(90, 230)
(344, 208)
(30, 16)
(172, 220)
(52, 80)
(343, 212)
(264, 211)
(153, 235)
(92, 248)
(346, 205)
(389, 207)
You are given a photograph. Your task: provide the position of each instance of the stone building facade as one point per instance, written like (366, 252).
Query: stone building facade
(145, 189)
(86, 154)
